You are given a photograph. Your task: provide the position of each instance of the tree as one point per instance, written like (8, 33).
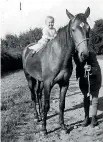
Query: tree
(96, 36)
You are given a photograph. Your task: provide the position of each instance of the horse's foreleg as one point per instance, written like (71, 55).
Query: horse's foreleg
(46, 104)
(63, 90)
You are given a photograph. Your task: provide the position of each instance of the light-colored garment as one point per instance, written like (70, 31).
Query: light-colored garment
(48, 34)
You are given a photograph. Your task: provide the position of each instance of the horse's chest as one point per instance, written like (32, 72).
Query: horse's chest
(64, 75)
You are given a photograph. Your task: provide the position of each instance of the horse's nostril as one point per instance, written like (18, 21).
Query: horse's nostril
(84, 55)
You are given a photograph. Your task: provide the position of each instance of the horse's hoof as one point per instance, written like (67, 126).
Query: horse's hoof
(40, 119)
(43, 133)
(64, 127)
(63, 131)
(36, 120)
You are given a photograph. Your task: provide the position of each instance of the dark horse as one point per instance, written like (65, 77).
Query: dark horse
(53, 64)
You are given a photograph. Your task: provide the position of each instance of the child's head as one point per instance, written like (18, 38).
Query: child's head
(49, 22)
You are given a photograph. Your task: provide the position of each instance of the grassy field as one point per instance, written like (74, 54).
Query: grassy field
(18, 125)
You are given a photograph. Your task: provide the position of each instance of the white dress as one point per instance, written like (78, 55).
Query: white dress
(48, 34)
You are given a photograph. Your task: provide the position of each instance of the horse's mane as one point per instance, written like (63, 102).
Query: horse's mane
(63, 36)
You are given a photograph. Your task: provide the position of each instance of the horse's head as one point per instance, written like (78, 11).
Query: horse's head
(79, 31)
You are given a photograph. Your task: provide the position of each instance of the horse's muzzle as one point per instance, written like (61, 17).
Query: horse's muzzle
(83, 56)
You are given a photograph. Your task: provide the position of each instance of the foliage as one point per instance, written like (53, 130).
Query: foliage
(12, 47)
(96, 37)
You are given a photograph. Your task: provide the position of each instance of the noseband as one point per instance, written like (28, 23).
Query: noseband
(81, 42)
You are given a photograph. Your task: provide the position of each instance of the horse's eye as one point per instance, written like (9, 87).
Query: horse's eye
(73, 30)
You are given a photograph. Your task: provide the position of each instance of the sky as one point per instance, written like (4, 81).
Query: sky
(33, 13)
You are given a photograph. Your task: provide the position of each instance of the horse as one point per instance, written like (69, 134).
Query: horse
(53, 65)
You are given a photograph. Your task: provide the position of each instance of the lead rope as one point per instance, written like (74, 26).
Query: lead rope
(88, 94)
(87, 74)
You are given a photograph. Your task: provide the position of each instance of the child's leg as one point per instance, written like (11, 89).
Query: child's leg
(94, 107)
(34, 48)
(37, 47)
(94, 102)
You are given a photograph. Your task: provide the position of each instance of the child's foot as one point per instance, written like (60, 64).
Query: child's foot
(94, 122)
(33, 53)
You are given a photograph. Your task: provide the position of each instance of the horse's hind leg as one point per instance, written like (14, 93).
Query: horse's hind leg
(46, 104)
(39, 97)
(32, 86)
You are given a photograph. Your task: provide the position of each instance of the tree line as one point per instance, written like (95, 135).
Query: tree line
(13, 45)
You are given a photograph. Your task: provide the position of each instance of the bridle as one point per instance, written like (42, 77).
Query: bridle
(81, 42)
(85, 39)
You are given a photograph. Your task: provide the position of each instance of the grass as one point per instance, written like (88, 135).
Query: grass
(13, 100)
(17, 112)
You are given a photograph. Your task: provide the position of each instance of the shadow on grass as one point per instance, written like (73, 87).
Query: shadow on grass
(71, 109)
(75, 93)
(78, 106)
(69, 127)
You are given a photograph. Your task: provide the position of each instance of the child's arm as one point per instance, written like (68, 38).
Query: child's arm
(55, 33)
(47, 36)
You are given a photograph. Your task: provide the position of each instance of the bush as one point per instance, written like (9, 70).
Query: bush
(10, 61)
(96, 34)
(12, 47)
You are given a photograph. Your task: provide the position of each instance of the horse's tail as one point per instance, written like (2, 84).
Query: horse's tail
(24, 56)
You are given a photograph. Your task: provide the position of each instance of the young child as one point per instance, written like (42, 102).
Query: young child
(49, 33)
(95, 84)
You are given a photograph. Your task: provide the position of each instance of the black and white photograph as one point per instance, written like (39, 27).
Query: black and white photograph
(51, 70)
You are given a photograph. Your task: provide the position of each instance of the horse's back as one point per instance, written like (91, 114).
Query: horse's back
(31, 64)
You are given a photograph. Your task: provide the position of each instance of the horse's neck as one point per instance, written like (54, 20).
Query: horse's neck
(61, 47)
(67, 46)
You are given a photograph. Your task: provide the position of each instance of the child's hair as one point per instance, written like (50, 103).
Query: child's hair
(49, 17)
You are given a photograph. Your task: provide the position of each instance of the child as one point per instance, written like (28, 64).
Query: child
(49, 33)
(95, 84)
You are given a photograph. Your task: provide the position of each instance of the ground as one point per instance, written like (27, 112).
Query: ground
(18, 123)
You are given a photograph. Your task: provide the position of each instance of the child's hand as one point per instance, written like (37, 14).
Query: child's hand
(55, 35)
(51, 38)
(87, 67)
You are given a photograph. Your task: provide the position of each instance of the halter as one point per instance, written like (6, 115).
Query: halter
(81, 42)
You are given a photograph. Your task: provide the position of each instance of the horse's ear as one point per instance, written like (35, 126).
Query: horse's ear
(87, 13)
(69, 15)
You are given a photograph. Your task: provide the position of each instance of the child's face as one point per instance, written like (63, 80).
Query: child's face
(50, 23)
